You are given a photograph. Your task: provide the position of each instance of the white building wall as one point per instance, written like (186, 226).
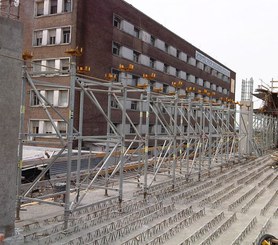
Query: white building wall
(145, 36)
(191, 78)
(220, 75)
(126, 53)
(171, 70)
(46, 7)
(43, 68)
(200, 82)
(158, 65)
(183, 75)
(158, 85)
(126, 77)
(58, 35)
(192, 61)
(144, 60)
(219, 89)
(172, 51)
(60, 6)
(142, 81)
(207, 84)
(127, 27)
(55, 97)
(159, 44)
(44, 37)
(200, 65)
(183, 56)
(170, 89)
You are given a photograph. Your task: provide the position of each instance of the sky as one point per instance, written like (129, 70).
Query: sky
(241, 34)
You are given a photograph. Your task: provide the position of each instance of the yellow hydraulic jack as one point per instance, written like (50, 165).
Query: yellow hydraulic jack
(268, 240)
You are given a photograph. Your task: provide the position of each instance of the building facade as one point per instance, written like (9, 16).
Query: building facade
(110, 32)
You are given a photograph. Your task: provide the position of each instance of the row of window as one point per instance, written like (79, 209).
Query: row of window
(133, 80)
(155, 64)
(51, 66)
(46, 127)
(57, 98)
(143, 35)
(54, 36)
(47, 7)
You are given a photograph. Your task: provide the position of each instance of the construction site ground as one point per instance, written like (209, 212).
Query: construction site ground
(233, 206)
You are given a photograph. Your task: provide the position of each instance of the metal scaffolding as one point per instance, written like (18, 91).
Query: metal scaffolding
(176, 135)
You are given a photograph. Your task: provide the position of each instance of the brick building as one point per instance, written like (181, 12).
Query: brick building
(111, 32)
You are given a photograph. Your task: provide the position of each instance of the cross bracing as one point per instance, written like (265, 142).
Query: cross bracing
(175, 135)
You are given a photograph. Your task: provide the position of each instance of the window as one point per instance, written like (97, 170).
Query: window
(136, 56)
(34, 99)
(63, 98)
(165, 68)
(49, 95)
(117, 73)
(152, 62)
(48, 127)
(39, 8)
(165, 88)
(64, 65)
(34, 127)
(178, 53)
(132, 129)
(135, 80)
(52, 36)
(166, 47)
(66, 35)
(38, 38)
(177, 73)
(133, 105)
(136, 32)
(152, 40)
(152, 83)
(117, 22)
(67, 5)
(50, 65)
(53, 6)
(151, 128)
(114, 103)
(116, 126)
(62, 127)
(36, 66)
(116, 48)
(162, 130)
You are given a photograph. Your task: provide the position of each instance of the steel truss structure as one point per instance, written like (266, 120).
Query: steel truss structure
(177, 136)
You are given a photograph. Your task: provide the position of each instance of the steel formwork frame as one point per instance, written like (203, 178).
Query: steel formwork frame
(177, 136)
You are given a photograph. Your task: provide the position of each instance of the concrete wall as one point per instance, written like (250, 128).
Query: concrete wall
(10, 80)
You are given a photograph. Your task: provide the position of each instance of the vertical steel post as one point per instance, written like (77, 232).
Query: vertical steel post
(155, 140)
(210, 138)
(109, 99)
(201, 140)
(175, 137)
(70, 140)
(122, 157)
(188, 136)
(147, 142)
(81, 107)
(20, 139)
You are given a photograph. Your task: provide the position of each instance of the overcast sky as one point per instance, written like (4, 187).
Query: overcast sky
(241, 34)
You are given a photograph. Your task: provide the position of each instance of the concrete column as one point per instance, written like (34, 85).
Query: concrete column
(246, 127)
(10, 94)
